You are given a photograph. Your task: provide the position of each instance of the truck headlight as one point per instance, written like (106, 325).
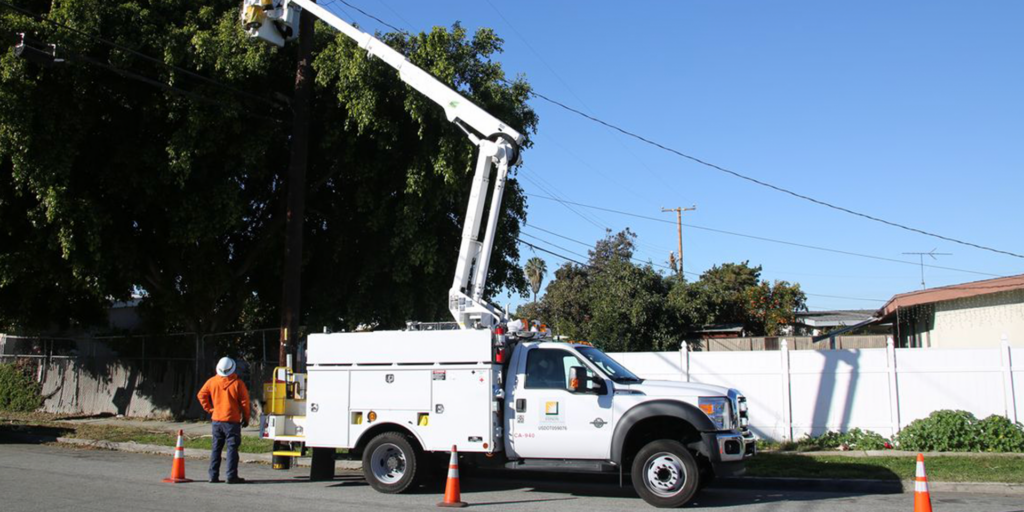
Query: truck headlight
(717, 409)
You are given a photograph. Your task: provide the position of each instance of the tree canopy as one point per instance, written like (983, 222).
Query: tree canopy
(622, 306)
(118, 172)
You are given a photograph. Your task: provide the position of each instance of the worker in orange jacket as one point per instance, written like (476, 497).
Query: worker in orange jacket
(226, 398)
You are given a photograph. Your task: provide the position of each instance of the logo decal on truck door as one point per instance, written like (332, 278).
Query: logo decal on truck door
(389, 378)
(598, 422)
(553, 417)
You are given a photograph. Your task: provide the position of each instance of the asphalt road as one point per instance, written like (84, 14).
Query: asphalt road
(51, 478)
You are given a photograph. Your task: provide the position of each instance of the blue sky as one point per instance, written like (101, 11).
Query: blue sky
(910, 111)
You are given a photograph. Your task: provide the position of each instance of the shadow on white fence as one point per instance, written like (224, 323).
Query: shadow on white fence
(796, 392)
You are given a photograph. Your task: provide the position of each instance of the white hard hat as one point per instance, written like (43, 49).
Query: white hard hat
(225, 367)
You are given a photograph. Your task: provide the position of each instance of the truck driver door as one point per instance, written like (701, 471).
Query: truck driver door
(550, 419)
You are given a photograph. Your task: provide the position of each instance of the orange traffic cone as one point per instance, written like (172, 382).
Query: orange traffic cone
(452, 494)
(178, 466)
(922, 500)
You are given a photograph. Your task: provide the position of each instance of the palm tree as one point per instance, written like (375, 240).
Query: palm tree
(535, 271)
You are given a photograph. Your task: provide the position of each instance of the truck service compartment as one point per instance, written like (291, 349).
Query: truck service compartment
(441, 385)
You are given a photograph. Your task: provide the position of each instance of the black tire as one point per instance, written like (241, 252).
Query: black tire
(391, 463)
(665, 474)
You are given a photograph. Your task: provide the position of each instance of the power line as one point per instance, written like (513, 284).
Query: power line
(139, 54)
(71, 56)
(378, 20)
(841, 297)
(543, 61)
(554, 245)
(772, 240)
(564, 203)
(764, 183)
(541, 249)
(720, 168)
(638, 260)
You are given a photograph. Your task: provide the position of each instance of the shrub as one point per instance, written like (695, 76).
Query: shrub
(18, 392)
(855, 439)
(999, 434)
(960, 431)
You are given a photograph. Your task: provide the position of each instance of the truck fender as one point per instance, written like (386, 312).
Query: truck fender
(671, 408)
(372, 432)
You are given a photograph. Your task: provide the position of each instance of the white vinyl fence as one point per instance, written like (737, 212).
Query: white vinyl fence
(796, 392)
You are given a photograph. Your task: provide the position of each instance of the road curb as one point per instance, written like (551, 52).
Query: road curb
(191, 453)
(894, 453)
(868, 486)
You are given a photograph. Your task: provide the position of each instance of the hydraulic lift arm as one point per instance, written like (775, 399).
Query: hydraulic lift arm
(276, 21)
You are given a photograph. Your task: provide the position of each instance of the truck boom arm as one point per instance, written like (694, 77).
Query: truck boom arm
(498, 145)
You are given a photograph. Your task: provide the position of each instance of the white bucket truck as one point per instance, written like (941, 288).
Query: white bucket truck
(394, 398)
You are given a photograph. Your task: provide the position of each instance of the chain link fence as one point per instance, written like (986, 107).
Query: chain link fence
(139, 375)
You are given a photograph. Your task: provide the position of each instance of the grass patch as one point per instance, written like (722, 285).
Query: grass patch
(46, 424)
(160, 438)
(940, 468)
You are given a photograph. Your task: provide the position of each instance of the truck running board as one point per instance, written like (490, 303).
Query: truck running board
(571, 465)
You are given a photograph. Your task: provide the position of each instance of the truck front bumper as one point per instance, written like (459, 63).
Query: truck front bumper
(728, 451)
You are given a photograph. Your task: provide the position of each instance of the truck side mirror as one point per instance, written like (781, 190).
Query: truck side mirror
(578, 379)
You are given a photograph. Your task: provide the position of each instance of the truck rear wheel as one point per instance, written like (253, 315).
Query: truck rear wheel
(665, 474)
(390, 463)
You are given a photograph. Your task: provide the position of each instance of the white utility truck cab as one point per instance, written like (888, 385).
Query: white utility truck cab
(394, 398)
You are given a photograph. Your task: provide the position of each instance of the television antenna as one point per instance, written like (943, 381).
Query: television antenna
(921, 256)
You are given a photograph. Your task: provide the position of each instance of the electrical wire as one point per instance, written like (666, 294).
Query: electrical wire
(766, 239)
(552, 70)
(141, 55)
(720, 168)
(637, 260)
(541, 249)
(841, 297)
(378, 20)
(766, 184)
(71, 56)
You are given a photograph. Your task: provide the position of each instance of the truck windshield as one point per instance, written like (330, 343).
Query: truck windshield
(609, 366)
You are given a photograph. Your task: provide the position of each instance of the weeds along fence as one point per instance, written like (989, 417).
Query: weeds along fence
(139, 376)
(792, 393)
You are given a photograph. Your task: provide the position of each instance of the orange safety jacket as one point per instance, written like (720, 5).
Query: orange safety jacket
(226, 398)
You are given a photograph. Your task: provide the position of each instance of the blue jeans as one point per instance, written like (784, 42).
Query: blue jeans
(230, 434)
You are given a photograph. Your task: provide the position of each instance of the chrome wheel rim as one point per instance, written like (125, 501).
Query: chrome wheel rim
(664, 474)
(388, 463)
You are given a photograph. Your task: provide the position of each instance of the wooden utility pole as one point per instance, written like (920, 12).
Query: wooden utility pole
(290, 316)
(679, 227)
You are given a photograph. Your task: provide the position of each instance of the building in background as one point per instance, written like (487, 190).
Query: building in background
(969, 315)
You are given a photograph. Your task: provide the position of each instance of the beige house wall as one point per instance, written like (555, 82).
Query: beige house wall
(978, 322)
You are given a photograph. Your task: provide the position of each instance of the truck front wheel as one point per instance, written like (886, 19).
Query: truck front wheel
(665, 474)
(390, 463)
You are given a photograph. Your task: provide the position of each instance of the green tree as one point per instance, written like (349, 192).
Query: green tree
(733, 293)
(718, 297)
(108, 183)
(773, 305)
(611, 302)
(535, 271)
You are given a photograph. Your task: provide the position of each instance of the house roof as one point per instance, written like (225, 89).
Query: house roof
(720, 328)
(832, 318)
(957, 291)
